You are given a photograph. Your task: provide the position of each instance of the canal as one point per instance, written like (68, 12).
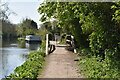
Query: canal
(13, 54)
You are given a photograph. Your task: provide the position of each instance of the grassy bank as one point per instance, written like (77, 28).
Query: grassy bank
(32, 66)
(92, 67)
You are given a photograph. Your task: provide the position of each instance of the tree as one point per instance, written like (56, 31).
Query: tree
(96, 28)
(64, 13)
(27, 27)
(7, 28)
(90, 23)
(5, 11)
(48, 28)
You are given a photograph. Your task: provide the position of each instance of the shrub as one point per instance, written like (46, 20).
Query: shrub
(30, 68)
(93, 68)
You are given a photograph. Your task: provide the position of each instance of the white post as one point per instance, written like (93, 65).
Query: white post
(75, 51)
(46, 44)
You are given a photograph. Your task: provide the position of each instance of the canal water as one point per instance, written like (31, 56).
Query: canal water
(13, 54)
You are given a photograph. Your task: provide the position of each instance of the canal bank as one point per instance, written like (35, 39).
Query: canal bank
(12, 56)
(30, 67)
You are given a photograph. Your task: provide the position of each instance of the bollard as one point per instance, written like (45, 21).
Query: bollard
(46, 44)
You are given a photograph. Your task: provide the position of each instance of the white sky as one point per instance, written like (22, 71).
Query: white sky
(22, 0)
(24, 9)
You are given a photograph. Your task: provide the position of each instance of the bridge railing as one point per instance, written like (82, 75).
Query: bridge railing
(71, 41)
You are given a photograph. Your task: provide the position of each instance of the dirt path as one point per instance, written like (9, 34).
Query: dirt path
(60, 64)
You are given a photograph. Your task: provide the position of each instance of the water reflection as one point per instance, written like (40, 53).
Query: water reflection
(21, 44)
(0, 59)
(33, 46)
(12, 55)
(11, 61)
(11, 58)
(0, 64)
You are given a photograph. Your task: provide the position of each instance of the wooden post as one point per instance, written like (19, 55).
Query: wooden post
(46, 44)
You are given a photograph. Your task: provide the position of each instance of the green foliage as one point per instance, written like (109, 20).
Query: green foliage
(44, 29)
(63, 38)
(27, 27)
(21, 43)
(116, 15)
(8, 29)
(84, 52)
(48, 28)
(43, 46)
(96, 29)
(21, 39)
(90, 23)
(93, 68)
(65, 16)
(31, 67)
(63, 41)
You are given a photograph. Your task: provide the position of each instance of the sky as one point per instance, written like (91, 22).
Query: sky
(24, 9)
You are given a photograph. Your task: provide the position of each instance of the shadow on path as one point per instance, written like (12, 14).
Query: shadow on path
(60, 64)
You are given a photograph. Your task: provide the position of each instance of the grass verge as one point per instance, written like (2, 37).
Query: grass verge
(93, 68)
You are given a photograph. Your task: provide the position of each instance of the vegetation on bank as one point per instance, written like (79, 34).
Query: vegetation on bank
(92, 67)
(32, 67)
(96, 29)
(21, 39)
(35, 60)
(7, 29)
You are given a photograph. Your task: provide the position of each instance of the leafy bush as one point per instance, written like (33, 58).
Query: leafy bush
(96, 29)
(21, 39)
(43, 46)
(84, 52)
(93, 68)
(30, 68)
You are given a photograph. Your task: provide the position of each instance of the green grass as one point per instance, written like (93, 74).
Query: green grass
(63, 41)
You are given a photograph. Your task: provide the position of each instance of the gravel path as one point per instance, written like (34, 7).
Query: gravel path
(60, 64)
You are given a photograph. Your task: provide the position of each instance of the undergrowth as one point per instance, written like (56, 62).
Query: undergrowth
(31, 67)
(93, 67)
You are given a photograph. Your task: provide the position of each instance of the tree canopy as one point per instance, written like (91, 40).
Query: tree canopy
(94, 25)
(8, 30)
(27, 27)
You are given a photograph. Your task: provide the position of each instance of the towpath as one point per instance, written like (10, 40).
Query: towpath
(60, 64)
